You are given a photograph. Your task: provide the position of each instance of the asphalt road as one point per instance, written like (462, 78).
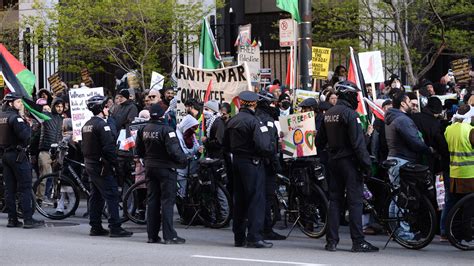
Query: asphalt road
(67, 243)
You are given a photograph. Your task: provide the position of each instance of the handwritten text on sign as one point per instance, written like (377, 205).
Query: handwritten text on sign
(227, 83)
(300, 134)
(79, 112)
(320, 62)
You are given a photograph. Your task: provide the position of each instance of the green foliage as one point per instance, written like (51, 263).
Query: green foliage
(132, 35)
(9, 30)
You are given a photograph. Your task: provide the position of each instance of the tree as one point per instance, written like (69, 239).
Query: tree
(132, 35)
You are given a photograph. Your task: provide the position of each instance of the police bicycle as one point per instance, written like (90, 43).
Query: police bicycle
(205, 199)
(301, 196)
(408, 214)
(58, 194)
(460, 223)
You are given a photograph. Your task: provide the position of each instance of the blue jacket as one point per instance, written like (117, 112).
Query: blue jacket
(402, 136)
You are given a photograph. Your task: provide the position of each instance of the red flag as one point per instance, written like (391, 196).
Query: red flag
(355, 75)
(206, 98)
(289, 70)
(376, 110)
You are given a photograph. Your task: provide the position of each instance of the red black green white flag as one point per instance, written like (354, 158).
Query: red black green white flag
(20, 80)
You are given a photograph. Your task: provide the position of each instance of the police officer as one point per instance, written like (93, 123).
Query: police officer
(100, 159)
(348, 156)
(158, 145)
(248, 139)
(14, 136)
(268, 114)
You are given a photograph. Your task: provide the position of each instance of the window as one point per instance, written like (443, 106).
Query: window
(260, 6)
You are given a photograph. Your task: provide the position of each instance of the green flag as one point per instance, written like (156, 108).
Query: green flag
(290, 6)
(209, 57)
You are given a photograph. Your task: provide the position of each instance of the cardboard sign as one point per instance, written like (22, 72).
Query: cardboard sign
(227, 83)
(372, 68)
(301, 95)
(300, 135)
(320, 62)
(157, 81)
(79, 112)
(461, 68)
(250, 55)
(86, 77)
(55, 83)
(287, 32)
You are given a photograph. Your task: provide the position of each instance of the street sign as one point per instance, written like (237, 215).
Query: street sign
(287, 32)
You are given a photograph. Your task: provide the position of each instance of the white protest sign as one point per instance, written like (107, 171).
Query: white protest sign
(250, 55)
(157, 81)
(371, 65)
(79, 112)
(227, 83)
(300, 135)
(301, 95)
(245, 34)
(287, 32)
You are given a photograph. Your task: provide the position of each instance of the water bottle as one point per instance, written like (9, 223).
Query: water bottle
(367, 194)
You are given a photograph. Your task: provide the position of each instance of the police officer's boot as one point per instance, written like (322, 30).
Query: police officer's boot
(13, 222)
(33, 223)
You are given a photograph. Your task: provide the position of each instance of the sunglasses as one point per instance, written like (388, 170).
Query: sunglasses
(152, 96)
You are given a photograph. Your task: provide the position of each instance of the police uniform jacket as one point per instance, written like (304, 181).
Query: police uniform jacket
(247, 136)
(13, 129)
(342, 133)
(269, 122)
(98, 142)
(158, 145)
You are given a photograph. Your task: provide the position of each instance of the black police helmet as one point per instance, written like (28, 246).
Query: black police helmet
(12, 96)
(346, 90)
(96, 104)
(309, 102)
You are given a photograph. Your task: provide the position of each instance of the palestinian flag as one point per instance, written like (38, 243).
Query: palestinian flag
(376, 110)
(355, 75)
(20, 80)
(209, 56)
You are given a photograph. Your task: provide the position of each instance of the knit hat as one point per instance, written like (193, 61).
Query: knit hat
(435, 105)
(125, 93)
(213, 105)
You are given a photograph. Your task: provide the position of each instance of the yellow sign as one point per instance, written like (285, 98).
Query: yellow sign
(2, 82)
(321, 58)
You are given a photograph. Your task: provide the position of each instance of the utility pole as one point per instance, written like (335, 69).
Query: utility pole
(305, 43)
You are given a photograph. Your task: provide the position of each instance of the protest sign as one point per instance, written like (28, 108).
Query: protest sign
(79, 112)
(299, 135)
(227, 83)
(250, 55)
(245, 35)
(287, 32)
(157, 81)
(265, 76)
(372, 68)
(320, 62)
(461, 68)
(301, 95)
(55, 83)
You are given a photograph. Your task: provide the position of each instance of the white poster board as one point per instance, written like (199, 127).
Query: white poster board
(287, 32)
(372, 68)
(250, 55)
(299, 132)
(226, 84)
(157, 81)
(301, 95)
(79, 112)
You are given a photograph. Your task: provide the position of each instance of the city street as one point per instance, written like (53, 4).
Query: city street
(67, 242)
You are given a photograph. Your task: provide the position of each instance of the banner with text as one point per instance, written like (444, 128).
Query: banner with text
(79, 112)
(320, 62)
(227, 83)
(250, 55)
(300, 135)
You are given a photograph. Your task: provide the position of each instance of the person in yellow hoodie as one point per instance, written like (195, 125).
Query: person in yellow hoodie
(460, 139)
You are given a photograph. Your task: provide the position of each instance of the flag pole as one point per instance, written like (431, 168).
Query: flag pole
(295, 55)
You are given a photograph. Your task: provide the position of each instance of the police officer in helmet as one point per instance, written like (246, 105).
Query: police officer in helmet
(98, 147)
(158, 145)
(248, 139)
(348, 161)
(268, 114)
(14, 136)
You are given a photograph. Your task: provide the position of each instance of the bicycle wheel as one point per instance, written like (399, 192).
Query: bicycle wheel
(311, 211)
(215, 206)
(135, 202)
(412, 228)
(275, 210)
(60, 199)
(460, 223)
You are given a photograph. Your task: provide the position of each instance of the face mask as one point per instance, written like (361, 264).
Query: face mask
(342, 78)
(285, 105)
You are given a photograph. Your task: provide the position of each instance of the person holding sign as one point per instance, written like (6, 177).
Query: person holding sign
(348, 156)
(100, 158)
(249, 142)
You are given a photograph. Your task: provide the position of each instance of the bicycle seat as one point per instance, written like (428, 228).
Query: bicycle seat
(209, 161)
(389, 163)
